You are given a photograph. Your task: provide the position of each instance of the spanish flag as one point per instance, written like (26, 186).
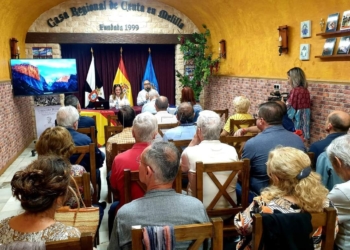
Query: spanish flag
(122, 78)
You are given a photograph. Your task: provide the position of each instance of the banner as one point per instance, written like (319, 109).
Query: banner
(122, 78)
(150, 75)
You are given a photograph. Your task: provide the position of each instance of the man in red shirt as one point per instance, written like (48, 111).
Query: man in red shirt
(144, 130)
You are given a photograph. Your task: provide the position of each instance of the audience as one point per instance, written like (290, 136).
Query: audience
(41, 188)
(118, 98)
(295, 188)
(206, 147)
(162, 115)
(339, 154)
(143, 95)
(161, 205)
(187, 129)
(256, 149)
(144, 130)
(150, 106)
(241, 105)
(187, 95)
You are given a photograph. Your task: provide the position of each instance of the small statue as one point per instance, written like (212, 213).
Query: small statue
(322, 23)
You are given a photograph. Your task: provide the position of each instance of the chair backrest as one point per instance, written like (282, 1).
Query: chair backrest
(82, 151)
(112, 120)
(235, 167)
(112, 130)
(133, 176)
(237, 142)
(239, 123)
(222, 112)
(312, 159)
(197, 233)
(91, 132)
(180, 144)
(85, 242)
(162, 127)
(84, 181)
(325, 219)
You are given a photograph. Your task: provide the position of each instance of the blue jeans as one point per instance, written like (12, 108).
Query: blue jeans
(111, 216)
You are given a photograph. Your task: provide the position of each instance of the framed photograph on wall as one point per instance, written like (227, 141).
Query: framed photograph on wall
(42, 52)
(305, 29)
(304, 52)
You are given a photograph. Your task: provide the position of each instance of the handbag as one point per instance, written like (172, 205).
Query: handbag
(86, 219)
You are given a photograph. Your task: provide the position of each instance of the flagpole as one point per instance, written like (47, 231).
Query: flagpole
(149, 50)
(121, 51)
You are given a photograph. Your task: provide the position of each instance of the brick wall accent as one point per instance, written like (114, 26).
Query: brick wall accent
(16, 125)
(325, 97)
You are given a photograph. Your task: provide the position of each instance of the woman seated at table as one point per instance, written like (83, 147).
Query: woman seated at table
(118, 98)
(294, 189)
(41, 188)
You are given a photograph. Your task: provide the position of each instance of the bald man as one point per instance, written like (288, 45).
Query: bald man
(337, 124)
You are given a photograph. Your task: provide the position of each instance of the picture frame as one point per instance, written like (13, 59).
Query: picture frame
(42, 52)
(344, 45)
(304, 52)
(305, 29)
(332, 22)
(345, 22)
(329, 46)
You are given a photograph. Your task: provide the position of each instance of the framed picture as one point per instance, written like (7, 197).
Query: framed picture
(305, 29)
(304, 52)
(344, 45)
(42, 52)
(329, 47)
(332, 22)
(345, 22)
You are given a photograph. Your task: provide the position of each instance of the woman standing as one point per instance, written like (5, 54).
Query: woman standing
(118, 98)
(298, 103)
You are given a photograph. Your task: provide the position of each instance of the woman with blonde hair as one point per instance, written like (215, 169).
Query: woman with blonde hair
(118, 97)
(295, 188)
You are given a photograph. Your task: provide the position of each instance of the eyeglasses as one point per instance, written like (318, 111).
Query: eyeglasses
(139, 161)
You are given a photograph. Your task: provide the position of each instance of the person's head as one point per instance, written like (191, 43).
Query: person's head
(68, 117)
(55, 141)
(117, 91)
(290, 172)
(270, 113)
(162, 103)
(126, 116)
(153, 94)
(241, 104)
(159, 163)
(145, 127)
(338, 122)
(147, 85)
(187, 95)
(338, 153)
(208, 125)
(297, 78)
(283, 106)
(72, 100)
(185, 113)
(42, 185)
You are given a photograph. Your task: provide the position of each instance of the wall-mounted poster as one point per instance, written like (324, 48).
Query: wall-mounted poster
(42, 52)
(305, 29)
(304, 52)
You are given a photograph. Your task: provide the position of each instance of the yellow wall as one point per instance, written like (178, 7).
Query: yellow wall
(249, 28)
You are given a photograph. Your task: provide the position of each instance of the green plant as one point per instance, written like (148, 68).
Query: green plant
(194, 51)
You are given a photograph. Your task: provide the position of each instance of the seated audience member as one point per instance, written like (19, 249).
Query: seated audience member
(337, 124)
(118, 99)
(295, 188)
(41, 188)
(187, 129)
(324, 167)
(241, 105)
(161, 205)
(144, 130)
(206, 147)
(143, 96)
(68, 117)
(256, 149)
(187, 95)
(150, 106)
(126, 116)
(339, 154)
(162, 115)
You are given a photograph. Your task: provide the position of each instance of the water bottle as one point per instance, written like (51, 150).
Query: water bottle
(117, 104)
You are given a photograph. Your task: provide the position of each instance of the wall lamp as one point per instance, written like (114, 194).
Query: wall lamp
(222, 49)
(14, 48)
(283, 39)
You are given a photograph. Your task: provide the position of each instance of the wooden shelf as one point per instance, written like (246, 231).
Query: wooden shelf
(333, 56)
(339, 32)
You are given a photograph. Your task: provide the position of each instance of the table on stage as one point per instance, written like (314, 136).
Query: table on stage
(101, 120)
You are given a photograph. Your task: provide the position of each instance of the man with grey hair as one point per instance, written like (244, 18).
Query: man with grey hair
(339, 155)
(150, 106)
(162, 115)
(161, 205)
(144, 130)
(206, 147)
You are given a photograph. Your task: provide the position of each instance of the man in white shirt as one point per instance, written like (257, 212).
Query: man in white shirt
(163, 117)
(143, 96)
(150, 106)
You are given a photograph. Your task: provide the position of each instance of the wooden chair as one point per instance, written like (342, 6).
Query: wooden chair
(165, 127)
(312, 159)
(112, 130)
(222, 112)
(85, 242)
(111, 118)
(198, 233)
(84, 181)
(91, 132)
(239, 123)
(237, 142)
(210, 168)
(133, 176)
(325, 219)
(180, 144)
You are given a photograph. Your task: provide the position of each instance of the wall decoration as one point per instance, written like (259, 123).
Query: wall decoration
(42, 52)
(332, 22)
(345, 22)
(329, 46)
(305, 29)
(344, 45)
(304, 52)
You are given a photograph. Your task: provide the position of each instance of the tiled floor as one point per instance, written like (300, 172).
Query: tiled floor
(9, 206)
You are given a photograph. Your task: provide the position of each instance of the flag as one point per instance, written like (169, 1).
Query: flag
(150, 75)
(122, 78)
(93, 85)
